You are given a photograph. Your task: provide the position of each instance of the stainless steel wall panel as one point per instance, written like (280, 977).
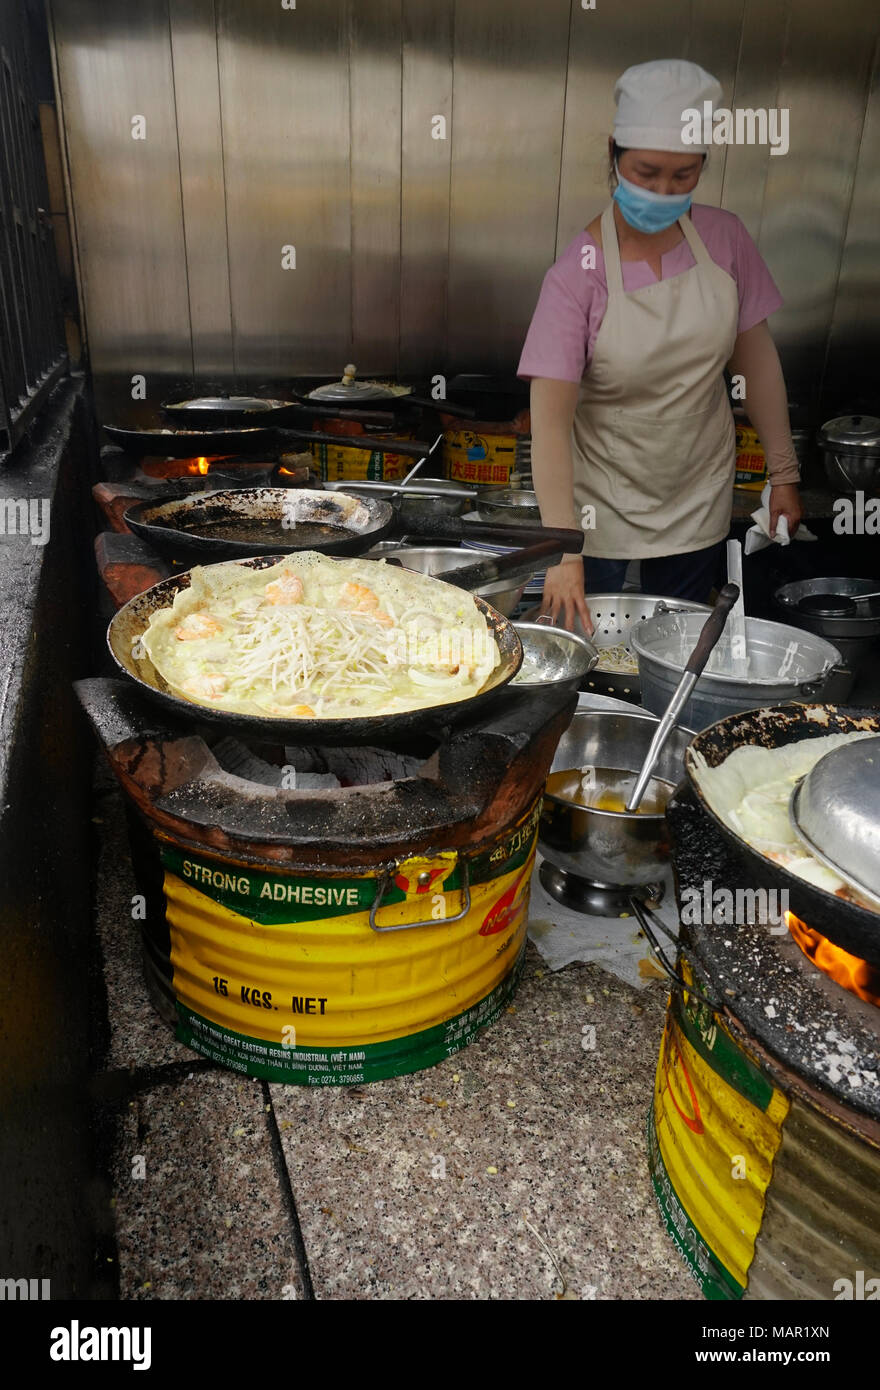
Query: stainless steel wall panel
(823, 82)
(854, 330)
(284, 93)
(197, 103)
(712, 39)
(113, 63)
(375, 64)
(426, 74)
(602, 44)
(506, 132)
(761, 52)
(311, 127)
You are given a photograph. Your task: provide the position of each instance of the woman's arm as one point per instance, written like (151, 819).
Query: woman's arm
(552, 410)
(756, 359)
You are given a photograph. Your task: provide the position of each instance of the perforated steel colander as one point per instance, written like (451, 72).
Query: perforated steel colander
(613, 618)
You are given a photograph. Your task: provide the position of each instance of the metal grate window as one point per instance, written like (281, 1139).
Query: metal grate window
(32, 343)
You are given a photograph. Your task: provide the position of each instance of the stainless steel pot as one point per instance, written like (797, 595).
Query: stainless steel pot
(850, 447)
(617, 849)
(854, 636)
(808, 664)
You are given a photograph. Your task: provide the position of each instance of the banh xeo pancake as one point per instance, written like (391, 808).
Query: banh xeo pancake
(318, 637)
(750, 791)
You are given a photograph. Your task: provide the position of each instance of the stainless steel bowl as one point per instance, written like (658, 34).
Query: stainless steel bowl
(438, 560)
(516, 506)
(553, 656)
(835, 811)
(615, 848)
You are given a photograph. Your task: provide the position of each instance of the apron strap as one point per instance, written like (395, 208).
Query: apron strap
(611, 249)
(611, 252)
(696, 243)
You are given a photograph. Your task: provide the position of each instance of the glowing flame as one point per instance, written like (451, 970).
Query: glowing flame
(202, 465)
(849, 971)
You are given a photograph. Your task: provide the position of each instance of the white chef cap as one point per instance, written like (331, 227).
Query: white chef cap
(651, 99)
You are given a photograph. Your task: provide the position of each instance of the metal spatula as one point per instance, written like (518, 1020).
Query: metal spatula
(709, 634)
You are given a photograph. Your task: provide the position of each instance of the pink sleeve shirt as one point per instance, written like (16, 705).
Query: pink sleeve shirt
(571, 305)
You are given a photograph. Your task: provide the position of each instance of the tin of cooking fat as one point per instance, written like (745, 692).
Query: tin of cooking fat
(620, 849)
(438, 560)
(784, 663)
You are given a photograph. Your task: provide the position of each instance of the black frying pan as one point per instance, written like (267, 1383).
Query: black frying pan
(234, 524)
(185, 443)
(131, 622)
(854, 929)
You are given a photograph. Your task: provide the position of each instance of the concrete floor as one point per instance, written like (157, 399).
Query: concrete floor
(514, 1170)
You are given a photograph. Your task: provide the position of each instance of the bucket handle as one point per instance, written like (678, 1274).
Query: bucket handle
(429, 922)
(645, 920)
(812, 689)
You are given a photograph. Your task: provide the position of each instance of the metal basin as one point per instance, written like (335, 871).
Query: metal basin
(553, 656)
(437, 560)
(623, 849)
(808, 663)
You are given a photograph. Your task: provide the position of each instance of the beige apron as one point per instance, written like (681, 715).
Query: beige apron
(653, 435)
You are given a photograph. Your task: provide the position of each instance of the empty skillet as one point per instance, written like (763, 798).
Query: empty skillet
(240, 522)
(129, 624)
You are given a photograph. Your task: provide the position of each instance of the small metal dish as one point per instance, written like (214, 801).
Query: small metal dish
(835, 812)
(553, 655)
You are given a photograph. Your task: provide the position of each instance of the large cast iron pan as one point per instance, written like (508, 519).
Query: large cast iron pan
(222, 412)
(131, 621)
(854, 929)
(162, 524)
(184, 444)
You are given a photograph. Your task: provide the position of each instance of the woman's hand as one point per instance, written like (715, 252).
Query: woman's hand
(564, 594)
(785, 500)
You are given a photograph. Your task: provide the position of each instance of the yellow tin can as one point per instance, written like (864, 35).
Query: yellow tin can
(751, 461)
(342, 978)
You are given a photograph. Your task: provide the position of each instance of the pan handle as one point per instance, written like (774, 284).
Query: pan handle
(518, 564)
(409, 448)
(648, 924)
(427, 922)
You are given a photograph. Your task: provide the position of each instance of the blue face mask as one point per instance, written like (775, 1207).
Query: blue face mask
(647, 211)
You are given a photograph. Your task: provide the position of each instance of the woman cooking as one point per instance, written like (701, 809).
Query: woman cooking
(632, 431)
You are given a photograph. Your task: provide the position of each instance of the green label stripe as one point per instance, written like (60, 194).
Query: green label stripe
(345, 1066)
(715, 1281)
(275, 899)
(720, 1052)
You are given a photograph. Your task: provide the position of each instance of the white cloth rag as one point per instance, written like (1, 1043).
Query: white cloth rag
(758, 536)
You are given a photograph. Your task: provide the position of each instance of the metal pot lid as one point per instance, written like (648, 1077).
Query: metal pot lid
(350, 391)
(835, 811)
(244, 405)
(858, 433)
